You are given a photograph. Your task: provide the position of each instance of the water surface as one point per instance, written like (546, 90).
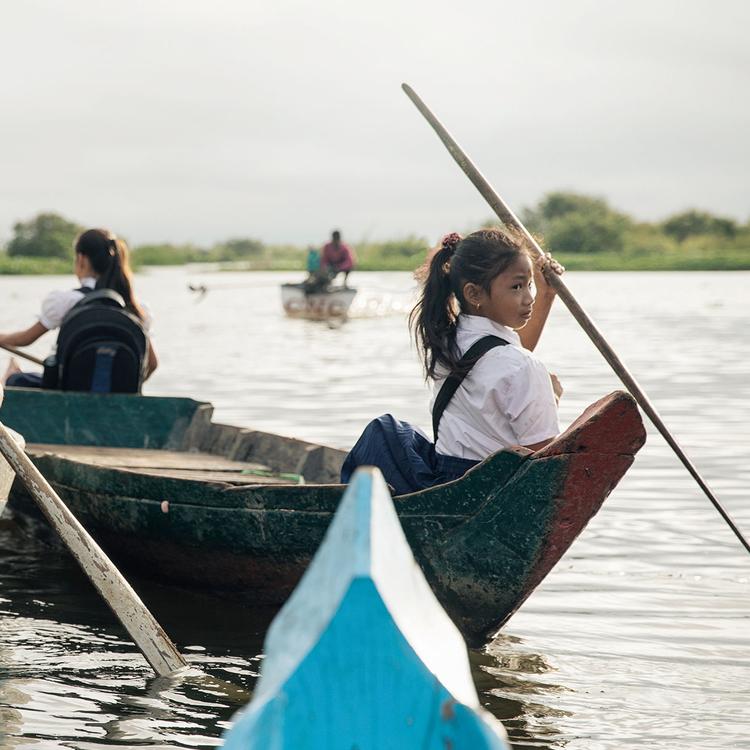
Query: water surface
(640, 637)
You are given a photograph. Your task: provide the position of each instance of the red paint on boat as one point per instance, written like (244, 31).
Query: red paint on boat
(600, 446)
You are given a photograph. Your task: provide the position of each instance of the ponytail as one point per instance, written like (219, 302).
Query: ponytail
(477, 258)
(433, 319)
(108, 256)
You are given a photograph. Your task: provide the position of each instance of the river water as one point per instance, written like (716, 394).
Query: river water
(640, 637)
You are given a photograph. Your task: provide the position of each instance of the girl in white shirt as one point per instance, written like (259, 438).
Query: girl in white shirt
(476, 291)
(473, 287)
(101, 262)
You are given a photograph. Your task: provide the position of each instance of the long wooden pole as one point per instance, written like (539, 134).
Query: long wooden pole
(19, 353)
(148, 635)
(507, 216)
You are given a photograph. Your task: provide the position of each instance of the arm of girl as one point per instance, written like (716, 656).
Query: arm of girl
(545, 296)
(25, 337)
(152, 362)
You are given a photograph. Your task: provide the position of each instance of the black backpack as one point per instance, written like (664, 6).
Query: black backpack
(101, 347)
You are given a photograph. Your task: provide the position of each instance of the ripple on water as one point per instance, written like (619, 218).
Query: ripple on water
(639, 637)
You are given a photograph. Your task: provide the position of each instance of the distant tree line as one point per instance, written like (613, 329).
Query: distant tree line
(583, 230)
(573, 223)
(49, 235)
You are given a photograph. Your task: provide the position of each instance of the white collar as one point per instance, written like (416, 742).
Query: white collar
(471, 324)
(89, 282)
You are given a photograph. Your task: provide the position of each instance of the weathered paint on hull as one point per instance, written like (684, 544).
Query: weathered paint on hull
(484, 541)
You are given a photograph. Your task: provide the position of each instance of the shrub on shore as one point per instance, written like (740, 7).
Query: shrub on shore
(584, 232)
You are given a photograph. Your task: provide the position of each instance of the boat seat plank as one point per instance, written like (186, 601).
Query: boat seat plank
(142, 458)
(206, 467)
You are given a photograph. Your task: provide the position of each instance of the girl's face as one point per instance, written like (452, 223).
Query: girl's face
(511, 298)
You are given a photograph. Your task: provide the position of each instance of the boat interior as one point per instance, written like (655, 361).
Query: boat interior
(164, 436)
(187, 464)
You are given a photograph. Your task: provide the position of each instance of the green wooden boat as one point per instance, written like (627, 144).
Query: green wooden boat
(7, 475)
(172, 495)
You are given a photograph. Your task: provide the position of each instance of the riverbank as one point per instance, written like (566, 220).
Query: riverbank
(26, 266)
(293, 259)
(585, 233)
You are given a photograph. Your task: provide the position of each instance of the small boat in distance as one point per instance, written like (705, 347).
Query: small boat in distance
(172, 495)
(321, 304)
(362, 655)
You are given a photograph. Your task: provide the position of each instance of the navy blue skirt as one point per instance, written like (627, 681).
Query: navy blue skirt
(25, 380)
(406, 457)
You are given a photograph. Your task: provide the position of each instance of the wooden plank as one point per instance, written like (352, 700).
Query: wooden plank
(204, 467)
(7, 475)
(362, 655)
(200, 467)
(131, 458)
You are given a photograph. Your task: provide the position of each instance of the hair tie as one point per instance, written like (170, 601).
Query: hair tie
(449, 245)
(450, 242)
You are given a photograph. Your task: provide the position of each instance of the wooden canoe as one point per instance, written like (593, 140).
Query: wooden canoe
(331, 303)
(170, 494)
(7, 475)
(362, 655)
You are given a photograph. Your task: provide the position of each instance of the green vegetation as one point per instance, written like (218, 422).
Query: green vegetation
(393, 255)
(27, 265)
(45, 236)
(584, 233)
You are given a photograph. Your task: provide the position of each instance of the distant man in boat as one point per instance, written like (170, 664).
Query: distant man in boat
(337, 258)
(317, 279)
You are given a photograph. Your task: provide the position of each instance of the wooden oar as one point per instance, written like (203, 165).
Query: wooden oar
(19, 353)
(148, 635)
(507, 216)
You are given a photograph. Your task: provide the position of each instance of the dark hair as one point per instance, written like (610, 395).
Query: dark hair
(335, 235)
(477, 259)
(108, 256)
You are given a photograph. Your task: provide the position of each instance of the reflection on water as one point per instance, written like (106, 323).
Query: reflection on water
(639, 637)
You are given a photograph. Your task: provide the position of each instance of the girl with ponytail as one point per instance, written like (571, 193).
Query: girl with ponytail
(476, 324)
(101, 262)
(104, 257)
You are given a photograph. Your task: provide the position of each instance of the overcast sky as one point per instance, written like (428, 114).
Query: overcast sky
(198, 121)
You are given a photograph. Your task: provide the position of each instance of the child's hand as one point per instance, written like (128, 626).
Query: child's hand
(556, 387)
(544, 266)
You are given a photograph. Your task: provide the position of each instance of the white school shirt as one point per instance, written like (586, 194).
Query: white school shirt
(56, 305)
(506, 399)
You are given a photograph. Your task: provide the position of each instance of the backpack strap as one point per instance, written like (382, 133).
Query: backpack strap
(473, 354)
(102, 296)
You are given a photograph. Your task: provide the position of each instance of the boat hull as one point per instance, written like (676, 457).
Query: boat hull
(334, 303)
(484, 541)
